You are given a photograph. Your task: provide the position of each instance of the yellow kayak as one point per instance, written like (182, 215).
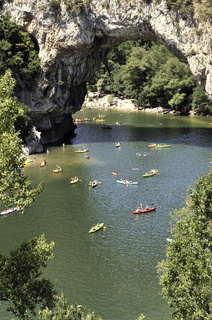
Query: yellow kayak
(43, 163)
(74, 180)
(152, 145)
(82, 151)
(57, 170)
(97, 227)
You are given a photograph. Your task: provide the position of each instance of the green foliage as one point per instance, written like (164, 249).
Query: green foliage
(186, 274)
(17, 51)
(11, 108)
(185, 6)
(54, 4)
(77, 7)
(151, 75)
(21, 283)
(204, 9)
(63, 311)
(15, 189)
(200, 103)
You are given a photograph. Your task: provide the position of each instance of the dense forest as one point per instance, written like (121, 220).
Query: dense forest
(152, 76)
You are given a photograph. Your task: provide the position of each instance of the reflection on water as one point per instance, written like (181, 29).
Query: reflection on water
(112, 271)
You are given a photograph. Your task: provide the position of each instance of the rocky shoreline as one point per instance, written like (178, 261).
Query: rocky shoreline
(100, 101)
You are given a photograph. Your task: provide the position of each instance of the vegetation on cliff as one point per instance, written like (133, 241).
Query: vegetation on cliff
(152, 76)
(18, 51)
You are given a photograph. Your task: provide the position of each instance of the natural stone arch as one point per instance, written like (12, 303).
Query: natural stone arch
(72, 46)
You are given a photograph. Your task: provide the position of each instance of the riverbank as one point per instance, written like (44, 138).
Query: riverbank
(101, 101)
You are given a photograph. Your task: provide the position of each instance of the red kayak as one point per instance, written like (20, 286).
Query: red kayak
(144, 210)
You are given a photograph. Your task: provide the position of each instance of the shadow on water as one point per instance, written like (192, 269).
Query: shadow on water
(171, 135)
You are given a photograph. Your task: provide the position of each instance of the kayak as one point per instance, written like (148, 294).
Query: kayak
(150, 173)
(7, 211)
(166, 111)
(163, 145)
(144, 210)
(118, 144)
(78, 120)
(115, 173)
(126, 182)
(152, 145)
(100, 120)
(42, 164)
(27, 161)
(82, 151)
(93, 183)
(57, 170)
(97, 227)
(74, 180)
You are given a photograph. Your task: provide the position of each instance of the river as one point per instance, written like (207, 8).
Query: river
(112, 271)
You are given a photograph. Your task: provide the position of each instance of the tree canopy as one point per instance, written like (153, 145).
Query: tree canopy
(15, 189)
(151, 75)
(18, 51)
(186, 274)
(21, 283)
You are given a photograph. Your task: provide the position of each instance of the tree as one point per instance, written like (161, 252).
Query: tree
(15, 189)
(64, 311)
(200, 103)
(18, 51)
(21, 283)
(150, 74)
(186, 274)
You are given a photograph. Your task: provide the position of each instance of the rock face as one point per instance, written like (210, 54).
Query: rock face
(73, 41)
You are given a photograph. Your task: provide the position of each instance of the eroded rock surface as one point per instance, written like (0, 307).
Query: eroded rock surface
(72, 46)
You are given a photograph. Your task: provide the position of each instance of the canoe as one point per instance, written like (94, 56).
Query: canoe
(163, 145)
(74, 180)
(152, 145)
(126, 182)
(97, 227)
(82, 151)
(144, 210)
(7, 211)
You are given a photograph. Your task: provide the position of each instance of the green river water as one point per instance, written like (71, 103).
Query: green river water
(112, 271)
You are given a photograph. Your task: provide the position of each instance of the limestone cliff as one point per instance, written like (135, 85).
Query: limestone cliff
(72, 46)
